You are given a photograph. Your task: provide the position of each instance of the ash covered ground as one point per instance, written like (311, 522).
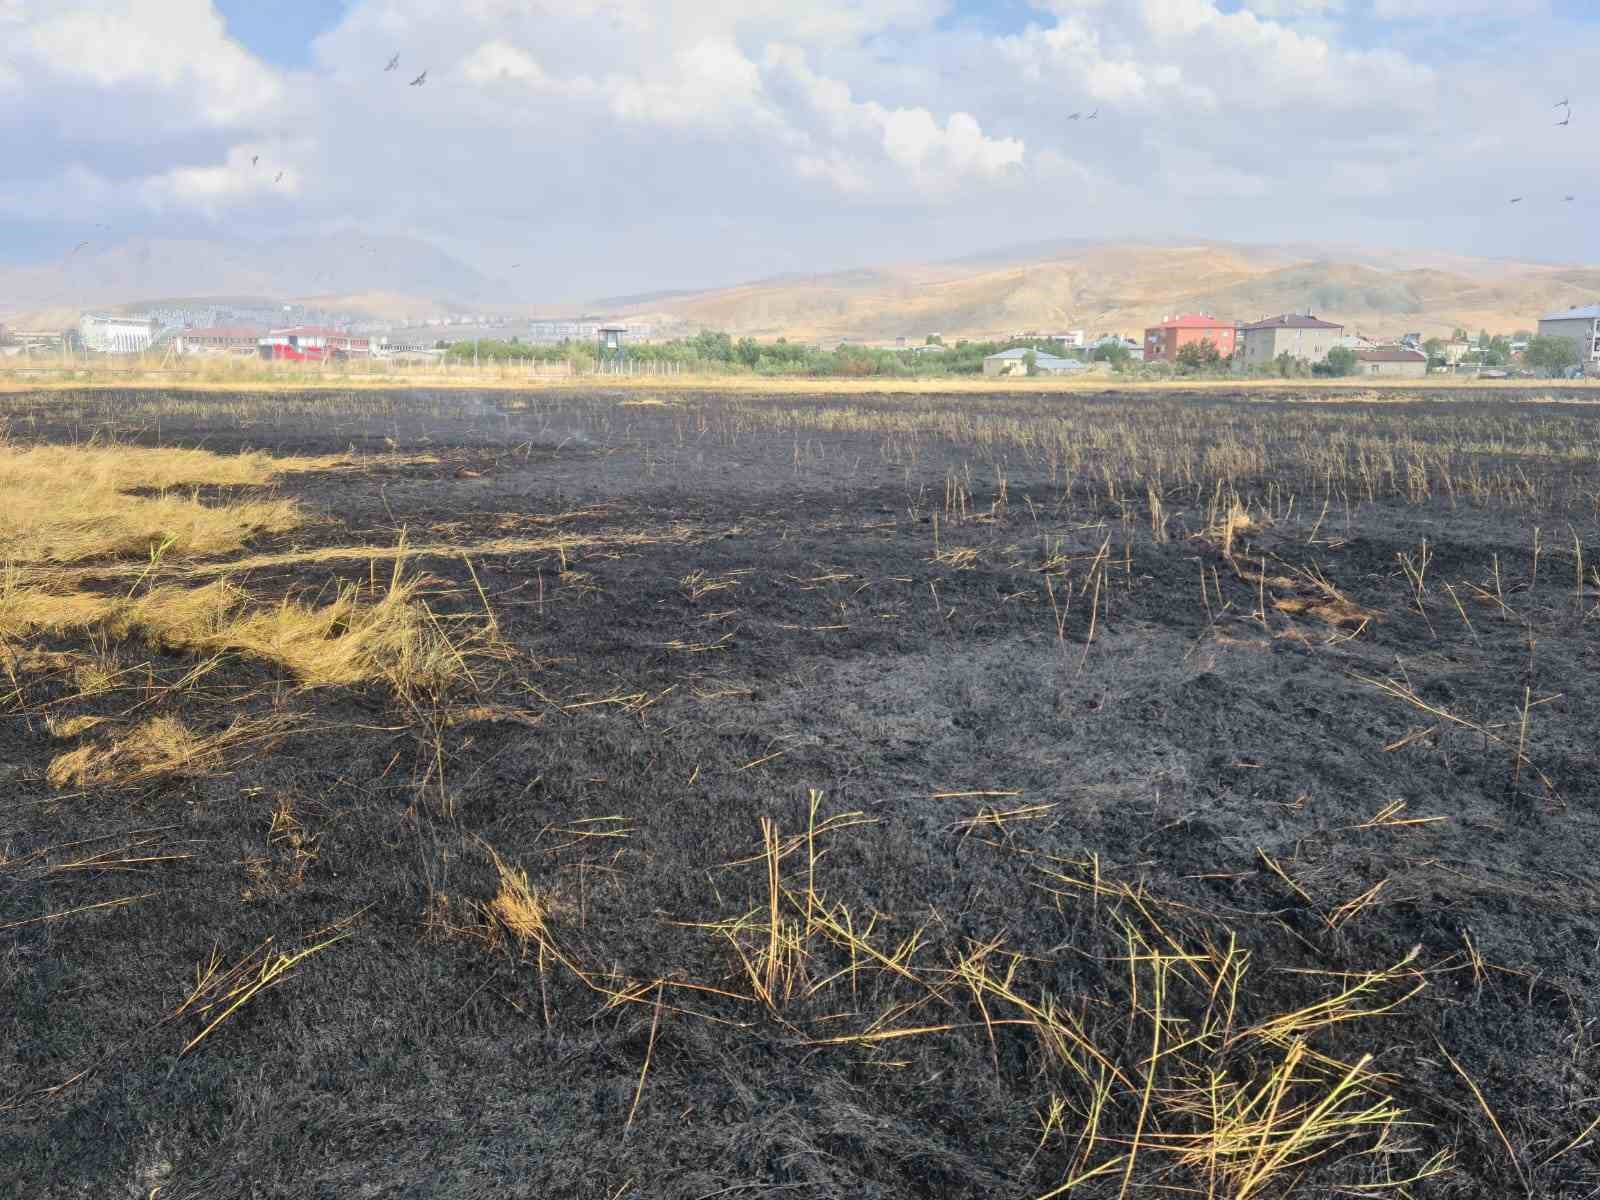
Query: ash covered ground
(919, 796)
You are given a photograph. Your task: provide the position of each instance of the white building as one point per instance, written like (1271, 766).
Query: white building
(1392, 361)
(1581, 327)
(1015, 362)
(115, 335)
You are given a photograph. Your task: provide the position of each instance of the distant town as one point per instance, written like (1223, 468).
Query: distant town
(1563, 343)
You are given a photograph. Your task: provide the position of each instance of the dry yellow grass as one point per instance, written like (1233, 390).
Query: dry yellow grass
(61, 504)
(162, 747)
(393, 637)
(219, 991)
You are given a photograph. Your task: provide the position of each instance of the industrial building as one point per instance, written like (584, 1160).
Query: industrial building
(1298, 335)
(1581, 327)
(1163, 341)
(102, 334)
(312, 343)
(219, 339)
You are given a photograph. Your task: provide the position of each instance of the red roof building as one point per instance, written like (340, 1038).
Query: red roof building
(1163, 341)
(312, 343)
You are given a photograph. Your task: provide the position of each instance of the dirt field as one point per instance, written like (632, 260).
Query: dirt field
(808, 796)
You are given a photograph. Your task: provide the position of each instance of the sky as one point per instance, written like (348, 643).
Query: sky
(613, 146)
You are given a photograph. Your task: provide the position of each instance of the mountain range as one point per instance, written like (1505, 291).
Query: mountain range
(1125, 287)
(1087, 284)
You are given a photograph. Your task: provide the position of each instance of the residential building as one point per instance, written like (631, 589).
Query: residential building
(1014, 362)
(312, 343)
(1298, 335)
(1581, 327)
(1163, 341)
(115, 335)
(1134, 348)
(1069, 339)
(218, 339)
(1392, 361)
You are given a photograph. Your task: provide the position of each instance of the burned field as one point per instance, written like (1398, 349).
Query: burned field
(609, 795)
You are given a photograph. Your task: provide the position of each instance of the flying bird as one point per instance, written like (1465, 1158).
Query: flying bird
(278, 178)
(1569, 199)
(1568, 121)
(254, 159)
(78, 247)
(1516, 199)
(393, 63)
(419, 80)
(1094, 116)
(1075, 116)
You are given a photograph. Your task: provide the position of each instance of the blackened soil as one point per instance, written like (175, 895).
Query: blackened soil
(738, 618)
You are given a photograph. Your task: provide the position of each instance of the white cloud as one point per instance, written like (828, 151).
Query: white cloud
(249, 173)
(709, 84)
(912, 141)
(498, 60)
(173, 54)
(675, 130)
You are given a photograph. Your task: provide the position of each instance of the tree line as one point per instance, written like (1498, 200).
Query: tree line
(714, 350)
(717, 351)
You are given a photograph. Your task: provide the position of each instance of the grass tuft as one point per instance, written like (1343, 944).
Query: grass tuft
(160, 748)
(66, 504)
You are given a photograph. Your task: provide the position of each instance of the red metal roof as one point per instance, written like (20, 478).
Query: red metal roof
(1194, 321)
(1293, 321)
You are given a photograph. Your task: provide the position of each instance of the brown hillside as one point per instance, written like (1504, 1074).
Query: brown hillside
(1125, 287)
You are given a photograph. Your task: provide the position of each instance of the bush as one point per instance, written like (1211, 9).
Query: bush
(1341, 361)
(1552, 355)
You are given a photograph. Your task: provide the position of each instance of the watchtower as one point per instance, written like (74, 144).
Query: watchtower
(609, 343)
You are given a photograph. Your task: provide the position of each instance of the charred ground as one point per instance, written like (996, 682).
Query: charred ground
(900, 796)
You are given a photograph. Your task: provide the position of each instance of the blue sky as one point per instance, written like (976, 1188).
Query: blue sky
(640, 144)
(281, 32)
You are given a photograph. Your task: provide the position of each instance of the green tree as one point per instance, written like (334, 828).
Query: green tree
(1290, 367)
(1114, 353)
(1552, 355)
(1341, 361)
(1030, 363)
(1199, 356)
(748, 351)
(712, 346)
